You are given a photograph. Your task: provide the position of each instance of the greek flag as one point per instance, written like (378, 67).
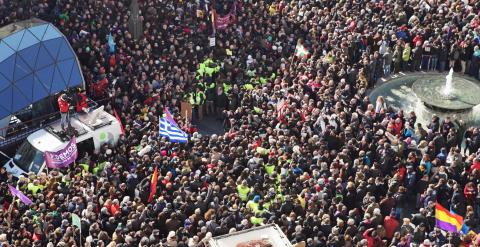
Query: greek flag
(174, 133)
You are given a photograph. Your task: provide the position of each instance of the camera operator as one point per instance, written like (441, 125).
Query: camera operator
(63, 105)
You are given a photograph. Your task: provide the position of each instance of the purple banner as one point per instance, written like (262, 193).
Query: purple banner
(64, 157)
(20, 195)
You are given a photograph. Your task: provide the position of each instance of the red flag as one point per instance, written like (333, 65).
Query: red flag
(153, 185)
(280, 108)
(119, 121)
(280, 105)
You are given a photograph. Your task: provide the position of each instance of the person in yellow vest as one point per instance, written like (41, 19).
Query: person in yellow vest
(269, 169)
(209, 71)
(200, 84)
(261, 208)
(226, 87)
(196, 99)
(66, 180)
(406, 57)
(34, 187)
(252, 205)
(243, 191)
(200, 71)
(256, 219)
(211, 68)
(248, 86)
(208, 61)
(98, 168)
(258, 80)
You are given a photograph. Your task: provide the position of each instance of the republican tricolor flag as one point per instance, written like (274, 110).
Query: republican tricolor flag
(446, 220)
(153, 185)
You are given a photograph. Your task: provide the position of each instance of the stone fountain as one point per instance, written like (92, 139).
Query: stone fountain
(447, 90)
(447, 95)
(433, 93)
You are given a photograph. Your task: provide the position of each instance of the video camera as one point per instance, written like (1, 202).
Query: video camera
(71, 93)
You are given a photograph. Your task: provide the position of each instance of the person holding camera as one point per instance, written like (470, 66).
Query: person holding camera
(63, 105)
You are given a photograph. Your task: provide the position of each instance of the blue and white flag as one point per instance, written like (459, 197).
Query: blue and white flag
(173, 132)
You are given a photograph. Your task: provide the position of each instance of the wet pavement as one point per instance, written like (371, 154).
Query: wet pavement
(210, 126)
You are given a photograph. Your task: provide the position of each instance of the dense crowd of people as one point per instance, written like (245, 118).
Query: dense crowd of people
(304, 147)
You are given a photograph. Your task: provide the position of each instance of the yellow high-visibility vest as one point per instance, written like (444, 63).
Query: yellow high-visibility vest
(33, 188)
(243, 192)
(256, 221)
(269, 168)
(252, 205)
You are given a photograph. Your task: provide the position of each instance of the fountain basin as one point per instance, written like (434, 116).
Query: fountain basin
(463, 95)
(398, 93)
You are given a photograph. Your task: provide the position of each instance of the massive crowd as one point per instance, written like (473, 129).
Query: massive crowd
(330, 167)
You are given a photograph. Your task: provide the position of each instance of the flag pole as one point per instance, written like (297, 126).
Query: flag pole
(297, 65)
(10, 208)
(291, 63)
(80, 228)
(294, 55)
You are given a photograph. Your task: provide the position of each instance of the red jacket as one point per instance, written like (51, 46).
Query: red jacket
(63, 105)
(417, 39)
(372, 241)
(113, 208)
(81, 102)
(99, 87)
(391, 224)
(474, 166)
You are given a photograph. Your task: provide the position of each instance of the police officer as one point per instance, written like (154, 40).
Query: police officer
(243, 190)
(197, 99)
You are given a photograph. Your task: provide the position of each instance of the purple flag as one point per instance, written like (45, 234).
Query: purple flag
(64, 157)
(20, 195)
(169, 116)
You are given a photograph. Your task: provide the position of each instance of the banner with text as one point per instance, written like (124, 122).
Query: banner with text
(222, 22)
(64, 157)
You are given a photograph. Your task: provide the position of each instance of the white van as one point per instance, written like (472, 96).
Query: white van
(266, 235)
(92, 130)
